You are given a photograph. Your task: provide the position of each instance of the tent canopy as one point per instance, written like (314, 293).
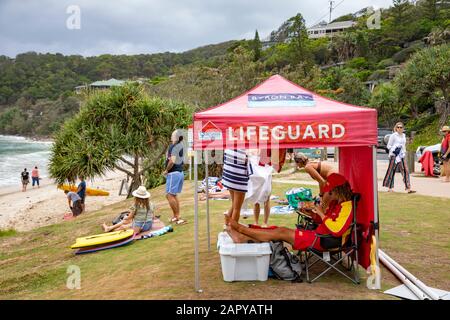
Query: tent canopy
(280, 114)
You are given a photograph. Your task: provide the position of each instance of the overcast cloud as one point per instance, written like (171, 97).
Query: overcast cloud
(149, 26)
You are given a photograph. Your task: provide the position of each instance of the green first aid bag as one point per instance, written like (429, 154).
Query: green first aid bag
(296, 195)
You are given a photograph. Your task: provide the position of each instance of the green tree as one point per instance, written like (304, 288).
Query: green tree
(427, 75)
(355, 92)
(399, 9)
(256, 47)
(385, 99)
(117, 129)
(431, 8)
(299, 41)
(345, 46)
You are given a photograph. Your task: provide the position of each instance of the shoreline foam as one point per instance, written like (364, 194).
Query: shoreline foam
(23, 211)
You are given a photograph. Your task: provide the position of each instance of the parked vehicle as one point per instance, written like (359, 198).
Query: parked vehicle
(436, 152)
(383, 138)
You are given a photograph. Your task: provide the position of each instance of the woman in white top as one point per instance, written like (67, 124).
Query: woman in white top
(397, 152)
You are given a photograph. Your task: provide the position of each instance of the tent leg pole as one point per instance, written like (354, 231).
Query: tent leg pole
(375, 208)
(207, 200)
(190, 168)
(196, 253)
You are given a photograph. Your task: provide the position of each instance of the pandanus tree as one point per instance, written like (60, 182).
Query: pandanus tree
(118, 129)
(427, 75)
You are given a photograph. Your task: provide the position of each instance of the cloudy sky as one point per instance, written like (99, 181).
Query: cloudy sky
(148, 26)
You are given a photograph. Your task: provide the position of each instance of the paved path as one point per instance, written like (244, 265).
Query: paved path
(427, 186)
(433, 187)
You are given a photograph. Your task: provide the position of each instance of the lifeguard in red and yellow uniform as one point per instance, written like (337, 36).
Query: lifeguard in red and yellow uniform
(335, 221)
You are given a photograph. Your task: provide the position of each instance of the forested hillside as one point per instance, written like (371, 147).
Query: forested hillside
(406, 60)
(37, 90)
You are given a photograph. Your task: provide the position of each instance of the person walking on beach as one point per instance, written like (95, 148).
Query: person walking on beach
(35, 176)
(81, 191)
(445, 152)
(25, 175)
(74, 201)
(397, 153)
(174, 175)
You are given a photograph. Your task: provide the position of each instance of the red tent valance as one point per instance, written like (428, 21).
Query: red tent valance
(279, 112)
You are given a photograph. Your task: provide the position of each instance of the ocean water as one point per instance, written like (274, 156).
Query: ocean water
(17, 153)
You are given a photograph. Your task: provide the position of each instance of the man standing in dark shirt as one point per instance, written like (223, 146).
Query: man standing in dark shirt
(174, 175)
(25, 175)
(81, 191)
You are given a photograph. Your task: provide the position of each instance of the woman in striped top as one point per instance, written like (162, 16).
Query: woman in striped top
(235, 179)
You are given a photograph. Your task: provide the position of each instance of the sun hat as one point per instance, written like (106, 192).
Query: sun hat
(333, 181)
(141, 193)
(445, 129)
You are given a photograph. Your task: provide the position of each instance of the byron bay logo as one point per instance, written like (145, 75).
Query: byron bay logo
(210, 132)
(281, 100)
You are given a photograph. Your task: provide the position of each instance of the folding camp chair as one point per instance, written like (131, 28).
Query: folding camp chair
(336, 252)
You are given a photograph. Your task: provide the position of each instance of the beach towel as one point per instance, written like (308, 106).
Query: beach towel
(282, 210)
(247, 213)
(155, 233)
(212, 182)
(158, 229)
(427, 162)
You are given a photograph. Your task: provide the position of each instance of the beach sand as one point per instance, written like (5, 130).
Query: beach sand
(23, 211)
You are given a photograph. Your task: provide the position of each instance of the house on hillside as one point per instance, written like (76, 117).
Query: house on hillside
(103, 84)
(324, 29)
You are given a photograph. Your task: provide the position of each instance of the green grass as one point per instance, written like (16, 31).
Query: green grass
(7, 233)
(414, 231)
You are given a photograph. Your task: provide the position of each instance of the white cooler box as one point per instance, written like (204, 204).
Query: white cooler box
(243, 261)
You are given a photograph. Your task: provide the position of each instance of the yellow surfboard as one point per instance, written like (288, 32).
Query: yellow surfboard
(102, 238)
(89, 191)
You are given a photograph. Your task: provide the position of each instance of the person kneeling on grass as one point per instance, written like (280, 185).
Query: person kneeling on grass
(141, 214)
(335, 221)
(74, 201)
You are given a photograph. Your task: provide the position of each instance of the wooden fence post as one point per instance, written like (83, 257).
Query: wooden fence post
(411, 155)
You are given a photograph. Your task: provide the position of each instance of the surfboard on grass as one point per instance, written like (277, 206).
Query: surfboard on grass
(102, 239)
(89, 191)
(106, 246)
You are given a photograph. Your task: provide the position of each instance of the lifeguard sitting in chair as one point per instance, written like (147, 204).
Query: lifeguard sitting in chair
(335, 221)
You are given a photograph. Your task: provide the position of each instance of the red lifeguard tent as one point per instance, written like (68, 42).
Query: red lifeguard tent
(280, 114)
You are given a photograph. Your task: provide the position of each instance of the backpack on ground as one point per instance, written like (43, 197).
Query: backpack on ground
(120, 217)
(283, 264)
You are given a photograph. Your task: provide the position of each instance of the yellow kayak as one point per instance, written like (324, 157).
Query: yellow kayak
(89, 191)
(102, 238)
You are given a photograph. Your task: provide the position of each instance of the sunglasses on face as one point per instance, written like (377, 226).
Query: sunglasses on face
(399, 127)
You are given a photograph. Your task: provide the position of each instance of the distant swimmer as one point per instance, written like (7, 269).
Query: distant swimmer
(25, 175)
